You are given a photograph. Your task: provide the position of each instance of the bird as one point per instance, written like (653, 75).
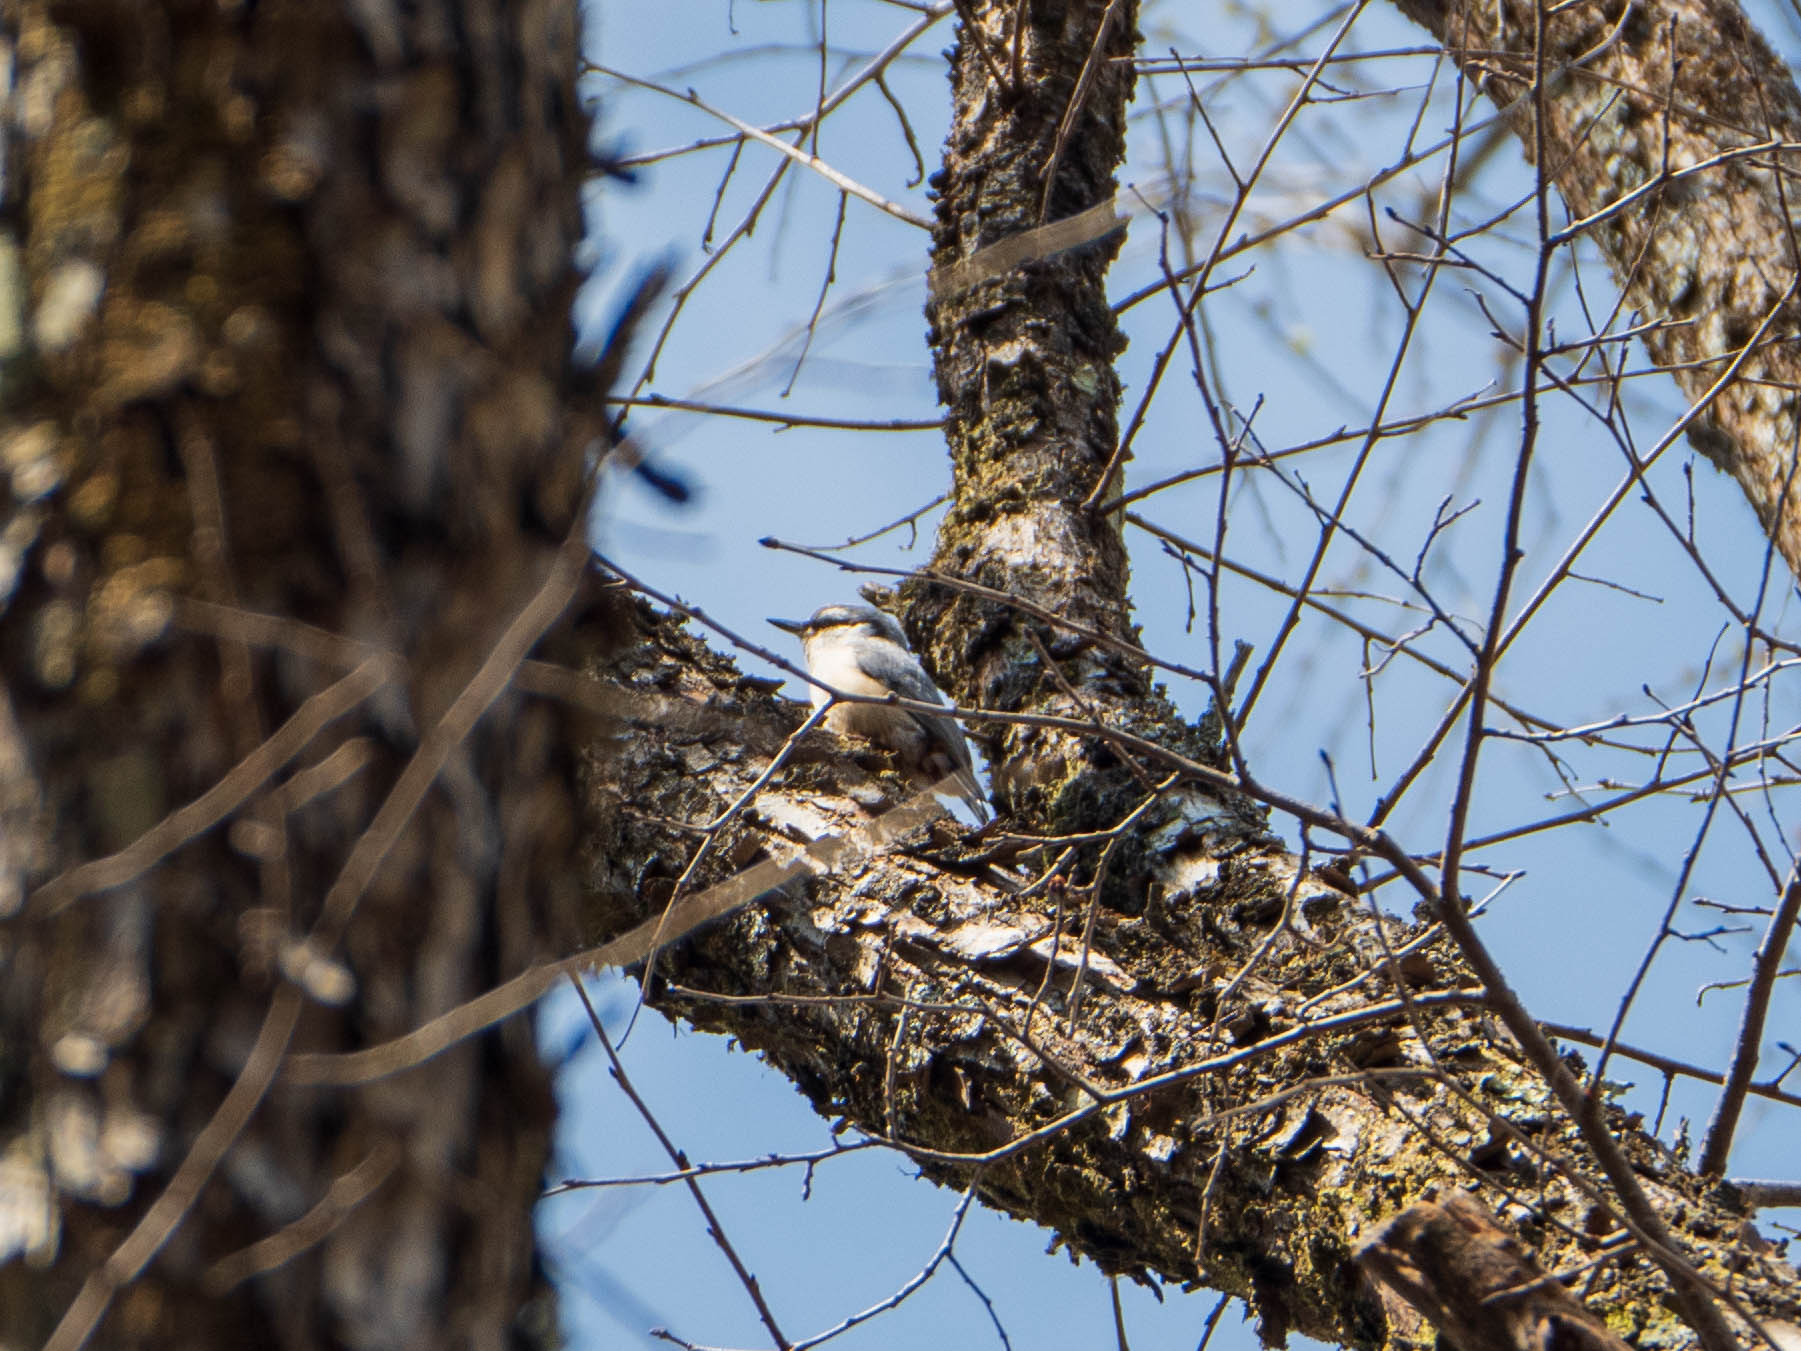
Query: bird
(860, 650)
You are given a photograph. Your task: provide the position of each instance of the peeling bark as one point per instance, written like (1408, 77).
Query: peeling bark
(1244, 1135)
(1482, 1291)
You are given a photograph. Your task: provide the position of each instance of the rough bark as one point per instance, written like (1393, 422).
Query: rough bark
(1199, 1140)
(287, 294)
(1025, 369)
(1661, 124)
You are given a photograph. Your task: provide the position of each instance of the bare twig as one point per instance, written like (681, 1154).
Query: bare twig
(715, 1230)
(1745, 1054)
(224, 797)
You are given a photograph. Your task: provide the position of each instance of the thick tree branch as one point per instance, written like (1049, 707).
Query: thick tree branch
(1256, 1075)
(1673, 133)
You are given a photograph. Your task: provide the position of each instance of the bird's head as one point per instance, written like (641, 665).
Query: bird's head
(835, 622)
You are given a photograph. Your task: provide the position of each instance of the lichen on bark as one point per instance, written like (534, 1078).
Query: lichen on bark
(1261, 1127)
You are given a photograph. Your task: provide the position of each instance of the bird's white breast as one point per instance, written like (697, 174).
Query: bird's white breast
(836, 664)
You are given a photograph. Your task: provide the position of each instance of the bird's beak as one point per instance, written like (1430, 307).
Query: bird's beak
(795, 626)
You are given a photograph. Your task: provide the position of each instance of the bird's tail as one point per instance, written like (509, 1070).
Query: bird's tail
(963, 784)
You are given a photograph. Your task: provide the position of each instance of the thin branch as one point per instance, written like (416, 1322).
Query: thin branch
(224, 797)
(166, 1213)
(715, 1230)
(1750, 1035)
(843, 182)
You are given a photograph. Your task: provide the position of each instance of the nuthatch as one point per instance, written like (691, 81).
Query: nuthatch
(857, 649)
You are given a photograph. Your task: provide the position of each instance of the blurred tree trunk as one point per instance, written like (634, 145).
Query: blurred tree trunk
(286, 346)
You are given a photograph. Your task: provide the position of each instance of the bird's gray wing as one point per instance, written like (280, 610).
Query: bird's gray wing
(896, 670)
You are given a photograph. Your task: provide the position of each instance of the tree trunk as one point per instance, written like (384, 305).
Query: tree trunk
(291, 444)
